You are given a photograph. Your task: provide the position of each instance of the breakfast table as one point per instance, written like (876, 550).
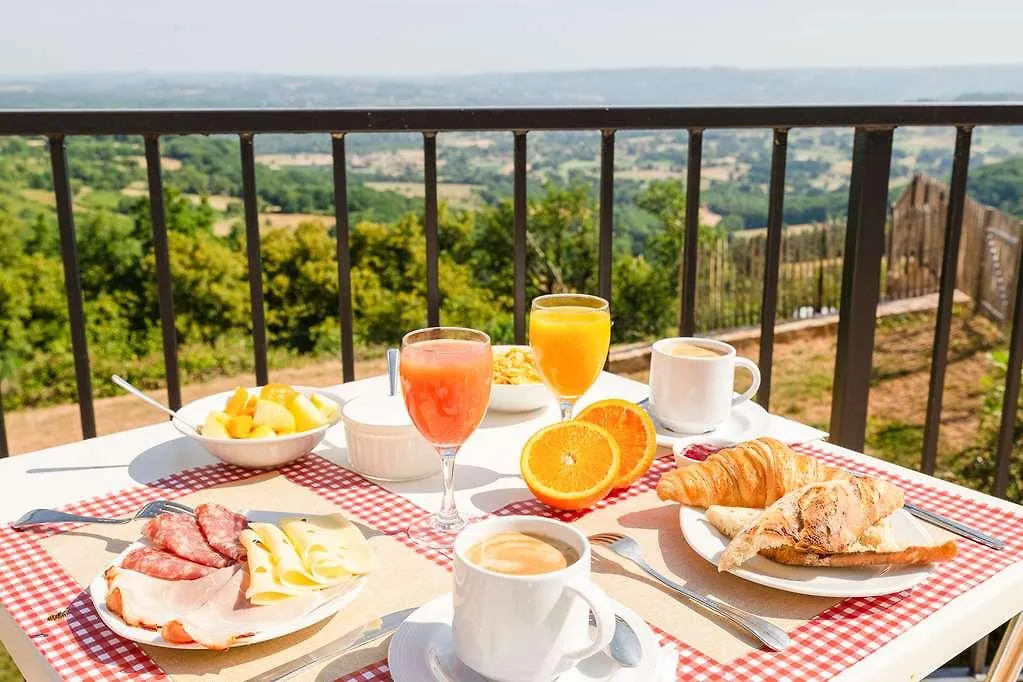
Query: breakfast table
(50, 626)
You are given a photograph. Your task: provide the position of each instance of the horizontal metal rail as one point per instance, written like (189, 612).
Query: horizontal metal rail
(233, 121)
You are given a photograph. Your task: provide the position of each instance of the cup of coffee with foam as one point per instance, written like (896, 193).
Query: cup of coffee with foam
(522, 599)
(692, 381)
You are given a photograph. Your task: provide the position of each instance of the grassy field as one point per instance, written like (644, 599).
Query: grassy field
(460, 195)
(8, 671)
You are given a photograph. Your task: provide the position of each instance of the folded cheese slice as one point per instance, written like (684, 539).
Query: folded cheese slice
(289, 570)
(263, 587)
(330, 546)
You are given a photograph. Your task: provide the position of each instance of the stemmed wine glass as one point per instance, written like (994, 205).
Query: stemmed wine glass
(569, 335)
(445, 375)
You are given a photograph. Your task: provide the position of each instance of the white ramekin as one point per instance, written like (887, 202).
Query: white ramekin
(383, 444)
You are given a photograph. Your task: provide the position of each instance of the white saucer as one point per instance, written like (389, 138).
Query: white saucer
(745, 422)
(422, 650)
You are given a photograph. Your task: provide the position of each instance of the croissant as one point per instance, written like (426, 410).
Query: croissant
(821, 518)
(751, 474)
(877, 545)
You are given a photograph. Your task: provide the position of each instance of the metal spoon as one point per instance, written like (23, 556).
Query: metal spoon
(624, 647)
(142, 396)
(392, 370)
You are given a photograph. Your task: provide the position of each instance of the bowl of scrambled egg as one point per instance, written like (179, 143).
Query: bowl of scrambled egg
(517, 386)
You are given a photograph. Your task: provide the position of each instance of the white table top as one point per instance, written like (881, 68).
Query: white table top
(486, 479)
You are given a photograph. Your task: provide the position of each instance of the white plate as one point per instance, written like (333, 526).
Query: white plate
(863, 581)
(422, 650)
(745, 422)
(319, 611)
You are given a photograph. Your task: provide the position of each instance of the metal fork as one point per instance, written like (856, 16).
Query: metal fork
(149, 510)
(768, 633)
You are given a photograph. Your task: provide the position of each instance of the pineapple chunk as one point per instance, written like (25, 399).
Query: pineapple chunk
(262, 431)
(237, 401)
(213, 427)
(239, 426)
(306, 415)
(222, 417)
(274, 415)
(327, 407)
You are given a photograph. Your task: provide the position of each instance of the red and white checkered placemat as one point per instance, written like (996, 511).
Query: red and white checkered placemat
(33, 586)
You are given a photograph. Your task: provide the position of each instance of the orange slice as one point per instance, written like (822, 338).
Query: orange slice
(633, 431)
(570, 465)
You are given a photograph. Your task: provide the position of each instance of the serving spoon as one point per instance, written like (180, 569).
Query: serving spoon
(142, 396)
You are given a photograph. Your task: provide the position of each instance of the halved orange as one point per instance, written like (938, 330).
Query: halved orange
(570, 465)
(633, 431)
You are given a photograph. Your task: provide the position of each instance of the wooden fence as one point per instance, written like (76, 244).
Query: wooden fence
(988, 253)
(731, 267)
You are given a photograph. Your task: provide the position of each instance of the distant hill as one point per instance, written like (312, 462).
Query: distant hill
(651, 86)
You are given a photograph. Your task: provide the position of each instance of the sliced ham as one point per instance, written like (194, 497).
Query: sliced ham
(222, 529)
(228, 616)
(160, 564)
(180, 535)
(144, 601)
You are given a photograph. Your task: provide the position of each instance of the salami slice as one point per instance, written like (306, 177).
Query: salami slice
(222, 528)
(160, 564)
(179, 534)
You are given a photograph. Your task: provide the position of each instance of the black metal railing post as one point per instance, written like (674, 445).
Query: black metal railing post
(430, 228)
(519, 251)
(72, 283)
(251, 200)
(164, 284)
(1010, 401)
(772, 257)
(345, 316)
(861, 282)
(946, 297)
(690, 248)
(607, 202)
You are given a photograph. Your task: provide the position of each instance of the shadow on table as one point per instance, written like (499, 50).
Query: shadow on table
(58, 470)
(492, 500)
(467, 477)
(164, 459)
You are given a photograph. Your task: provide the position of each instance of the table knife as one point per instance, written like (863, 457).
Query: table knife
(365, 633)
(954, 526)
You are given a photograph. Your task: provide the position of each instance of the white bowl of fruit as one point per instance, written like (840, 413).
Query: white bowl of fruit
(261, 427)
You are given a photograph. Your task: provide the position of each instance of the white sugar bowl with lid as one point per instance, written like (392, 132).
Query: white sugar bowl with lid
(383, 443)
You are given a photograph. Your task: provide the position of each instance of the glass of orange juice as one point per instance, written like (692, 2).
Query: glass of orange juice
(445, 377)
(569, 335)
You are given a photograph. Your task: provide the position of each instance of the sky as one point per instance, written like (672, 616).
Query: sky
(437, 37)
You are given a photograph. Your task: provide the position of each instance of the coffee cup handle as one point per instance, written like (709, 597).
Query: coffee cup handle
(603, 615)
(750, 366)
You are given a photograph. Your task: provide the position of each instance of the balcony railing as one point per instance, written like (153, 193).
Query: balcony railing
(864, 237)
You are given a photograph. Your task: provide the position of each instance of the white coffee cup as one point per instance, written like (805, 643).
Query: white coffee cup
(521, 628)
(694, 393)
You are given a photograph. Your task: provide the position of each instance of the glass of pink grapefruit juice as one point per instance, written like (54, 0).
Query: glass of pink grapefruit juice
(445, 377)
